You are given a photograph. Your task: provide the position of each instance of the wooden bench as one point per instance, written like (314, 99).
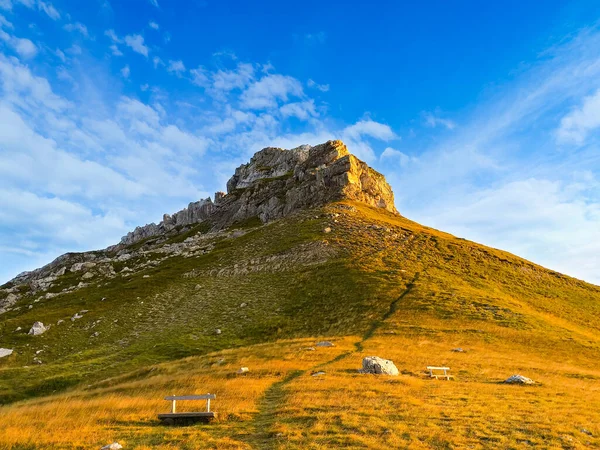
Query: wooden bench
(433, 369)
(174, 417)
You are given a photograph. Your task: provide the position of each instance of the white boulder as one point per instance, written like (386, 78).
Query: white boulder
(5, 352)
(379, 366)
(37, 329)
(519, 379)
(113, 446)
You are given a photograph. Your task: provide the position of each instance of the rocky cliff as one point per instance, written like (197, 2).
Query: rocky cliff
(277, 182)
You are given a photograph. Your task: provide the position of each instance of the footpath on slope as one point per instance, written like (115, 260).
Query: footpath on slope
(262, 435)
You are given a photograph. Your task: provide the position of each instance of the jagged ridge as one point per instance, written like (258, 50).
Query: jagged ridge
(277, 182)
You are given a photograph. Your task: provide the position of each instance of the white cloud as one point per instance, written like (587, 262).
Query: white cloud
(115, 50)
(269, 90)
(176, 67)
(580, 122)
(227, 80)
(157, 62)
(49, 10)
(370, 128)
(200, 77)
(390, 154)
(321, 87)
(431, 120)
(153, 25)
(5, 23)
(24, 47)
(301, 110)
(125, 72)
(113, 36)
(154, 2)
(78, 27)
(136, 43)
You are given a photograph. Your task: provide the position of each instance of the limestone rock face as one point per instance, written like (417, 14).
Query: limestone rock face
(379, 366)
(195, 212)
(277, 182)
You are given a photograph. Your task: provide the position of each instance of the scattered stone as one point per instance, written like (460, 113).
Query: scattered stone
(519, 379)
(458, 350)
(76, 316)
(325, 344)
(18, 329)
(243, 370)
(102, 299)
(146, 276)
(59, 322)
(327, 230)
(88, 275)
(37, 361)
(243, 305)
(38, 352)
(5, 352)
(217, 331)
(309, 349)
(37, 329)
(83, 311)
(198, 287)
(30, 306)
(586, 431)
(317, 374)
(379, 366)
(96, 334)
(113, 446)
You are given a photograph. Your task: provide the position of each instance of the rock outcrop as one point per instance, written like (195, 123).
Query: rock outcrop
(277, 182)
(5, 352)
(195, 212)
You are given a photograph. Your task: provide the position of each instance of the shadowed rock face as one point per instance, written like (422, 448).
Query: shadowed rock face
(277, 182)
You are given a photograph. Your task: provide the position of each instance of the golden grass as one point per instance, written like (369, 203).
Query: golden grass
(339, 409)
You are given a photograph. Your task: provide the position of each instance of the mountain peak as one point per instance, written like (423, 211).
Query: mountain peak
(277, 182)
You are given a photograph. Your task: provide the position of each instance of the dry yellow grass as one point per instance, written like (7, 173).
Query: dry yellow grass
(280, 405)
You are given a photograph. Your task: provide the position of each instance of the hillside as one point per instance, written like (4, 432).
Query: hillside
(251, 281)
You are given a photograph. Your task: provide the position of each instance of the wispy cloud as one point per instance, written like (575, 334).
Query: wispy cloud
(176, 67)
(321, 87)
(153, 25)
(78, 27)
(432, 120)
(581, 121)
(136, 43)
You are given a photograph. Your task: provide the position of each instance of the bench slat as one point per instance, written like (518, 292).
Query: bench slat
(192, 397)
(437, 368)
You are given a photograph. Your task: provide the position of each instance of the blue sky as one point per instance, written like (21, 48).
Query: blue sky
(485, 119)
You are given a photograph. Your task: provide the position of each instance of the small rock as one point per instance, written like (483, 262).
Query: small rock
(18, 329)
(317, 374)
(519, 379)
(243, 370)
(586, 431)
(102, 299)
(325, 344)
(38, 352)
(75, 317)
(379, 366)
(113, 446)
(88, 275)
(83, 311)
(5, 352)
(243, 305)
(30, 306)
(309, 349)
(198, 287)
(59, 322)
(146, 276)
(327, 230)
(458, 350)
(96, 334)
(37, 329)
(217, 331)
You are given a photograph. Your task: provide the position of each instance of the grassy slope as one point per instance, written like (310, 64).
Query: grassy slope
(398, 290)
